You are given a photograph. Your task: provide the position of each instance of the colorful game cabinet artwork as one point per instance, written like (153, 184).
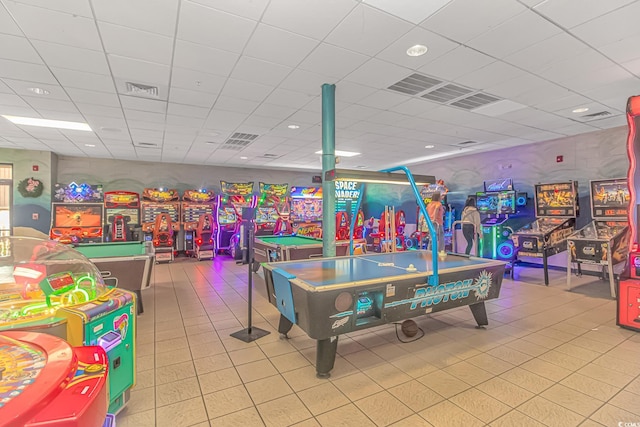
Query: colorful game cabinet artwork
(161, 220)
(51, 288)
(233, 197)
(269, 202)
(197, 210)
(306, 211)
(77, 213)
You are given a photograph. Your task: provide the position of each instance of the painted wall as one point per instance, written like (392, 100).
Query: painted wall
(24, 207)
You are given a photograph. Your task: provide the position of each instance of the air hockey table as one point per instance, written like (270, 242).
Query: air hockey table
(289, 248)
(327, 297)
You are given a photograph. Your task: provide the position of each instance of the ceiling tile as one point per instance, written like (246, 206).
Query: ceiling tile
(252, 9)
(196, 80)
(136, 71)
(256, 120)
(306, 117)
(138, 44)
(237, 105)
(488, 76)
(259, 71)
(246, 90)
(456, 63)
(191, 97)
(607, 29)
(397, 52)
(188, 111)
(7, 24)
(74, 58)
(512, 87)
(547, 52)
(597, 78)
(74, 7)
(55, 27)
(378, 74)
(199, 57)
(276, 111)
(41, 103)
(414, 106)
(143, 104)
(515, 34)
(311, 18)
(22, 88)
(409, 10)
(383, 99)
(572, 66)
(541, 93)
(306, 82)
(18, 49)
(288, 98)
(91, 97)
(623, 50)
(332, 61)
(25, 71)
(82, 80)
(210, 27)
(569, 13)
(462, 20)
(100, 111)
(267, 43)
(359, 112)
(224, 120)
(361, 30)
(162, 14)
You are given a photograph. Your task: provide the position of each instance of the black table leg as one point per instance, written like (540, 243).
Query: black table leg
(479, 312)
(545, 266)
(140, 307)
(326, 356)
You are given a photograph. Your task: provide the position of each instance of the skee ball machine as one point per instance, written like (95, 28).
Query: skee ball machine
(605, 240)
(50, 288)
(556, 211)
(77, 213)
(267, 213)
(197, 209)
(628, 302)
(161, 220)
(122, 214)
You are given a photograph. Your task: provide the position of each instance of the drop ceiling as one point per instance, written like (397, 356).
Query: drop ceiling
(179, 80)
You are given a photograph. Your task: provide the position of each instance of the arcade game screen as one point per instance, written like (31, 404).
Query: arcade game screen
(487, 203)
(227, 215)
(266, 215)
(506, 202)
(306, 209)
(77, 215)
(610, 198)
(131, 213)
(556, 199)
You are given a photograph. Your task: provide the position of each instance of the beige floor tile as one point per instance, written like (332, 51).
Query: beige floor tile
(144, 418)
(414, 420)
(172, 357)
(302, 378)
(219, 380)
(592, 345)
(563, 360)
(289, 361)
(591, 423)
(256, 370)
(357, 386)
(247, 355)
(444, 383)
(246, 418)
(510, 355)
(145, 363)
(505, 391)
(163, 335)
(227, 401)
(268, 389)
(515, 418)
(527, 380)
(468, 373)
(480, 404)
(141, 400)
(171, 345)
(345, 416)
(200, 350)
(383, 408)
(547, 370)
(387, 375)
(550, 413)
(203, 338)
(322, 398)
(177, 391)
(630, 402)
(276, 348)
(571, 399)
(183, 413)
(490, 363)
(416, 395)
(610, 415)
(364, 359)
(614, 378)
(145, 379)
(311, 422)
(634, 386)
(284, 411)
(527, 347)
(212, 363)
(593, 387)
(578, 352)
(446, 414)
(390, 351)
(414, 366)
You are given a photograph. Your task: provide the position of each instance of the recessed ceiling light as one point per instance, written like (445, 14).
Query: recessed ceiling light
(106, 129)
(581, 110)
(243, 158)
(429, 146)
(417, 50)
(39, 91)
(89, 145)
(342, 153)
(45, 123)
(293, 127)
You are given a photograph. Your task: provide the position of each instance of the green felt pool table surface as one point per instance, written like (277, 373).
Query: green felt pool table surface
(289, 240)
(111, 249)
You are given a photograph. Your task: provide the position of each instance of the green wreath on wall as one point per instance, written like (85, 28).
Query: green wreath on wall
(30, 187)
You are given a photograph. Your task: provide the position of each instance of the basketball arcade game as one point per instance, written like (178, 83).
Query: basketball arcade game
(198, 225)
(77, 213)
(556, 211)
(122, 214)
(267, 212)
(605, 240)
(306, 211)
(160, 220)
(228, 213)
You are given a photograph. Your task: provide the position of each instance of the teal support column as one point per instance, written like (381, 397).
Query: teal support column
(328, 163)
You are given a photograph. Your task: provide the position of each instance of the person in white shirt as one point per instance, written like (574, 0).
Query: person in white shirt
(471, 226)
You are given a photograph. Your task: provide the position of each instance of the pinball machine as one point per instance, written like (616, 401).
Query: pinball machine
(198, 225)
(160, 220)
(77, 213)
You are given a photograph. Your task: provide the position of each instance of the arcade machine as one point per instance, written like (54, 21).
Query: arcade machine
(122, 214)
(389, 236)
(556, 211)
(283, 223)
(50, 288)
(420, 239)
(198, 226)
(628, 299)
(77, 213)
(228, 213)
(267, 209)
(160, 220)
(605, 240)
(306, 211)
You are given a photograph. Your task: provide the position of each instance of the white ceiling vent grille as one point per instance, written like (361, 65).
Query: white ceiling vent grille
(270, 156)
(238, 141)
(138, 89)
(146, 145)
(447, 93)
(594, 116)
(414, 84)
(475, 101)
(465, 143)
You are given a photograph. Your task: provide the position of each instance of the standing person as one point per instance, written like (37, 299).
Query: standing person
(471, 215)
(436, 215)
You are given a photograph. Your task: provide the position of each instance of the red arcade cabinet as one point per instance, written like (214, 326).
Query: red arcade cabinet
(628, 312)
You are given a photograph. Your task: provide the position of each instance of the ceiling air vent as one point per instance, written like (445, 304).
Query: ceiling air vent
(446, 93)
(465, 143)
(238, 141)
(596, 115)
(414, 84)
(138, 89)
(146, 144)
(475, 101)
(270, 156)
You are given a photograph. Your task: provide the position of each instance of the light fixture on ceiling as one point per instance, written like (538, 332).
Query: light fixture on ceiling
(108, 129)
(429, 146)
(342, 153)
(376, 177)
(417, 50)
(581, 110)
(293, 127)
(45, 123)
(89, 145)
(39, 91)
(243, 158)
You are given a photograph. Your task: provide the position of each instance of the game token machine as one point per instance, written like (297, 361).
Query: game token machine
(228, 213)
(160, 220)
(306, 211)
(268, 210)
(556, 208)
(628, 295)
(50, 288)
(198, 225)
(605, 240)
(122, 214)
(77, 213)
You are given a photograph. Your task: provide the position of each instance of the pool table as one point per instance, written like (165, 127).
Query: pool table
(327, 297)
(288, 248)
(127, 264)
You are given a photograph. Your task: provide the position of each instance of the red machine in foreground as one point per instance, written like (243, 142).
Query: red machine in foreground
(390, 234)
(163, 237)
(46, 382)
(628, 295)
(203, 245)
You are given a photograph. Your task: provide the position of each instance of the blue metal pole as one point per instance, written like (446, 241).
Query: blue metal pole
(328, 163)
(434, 279)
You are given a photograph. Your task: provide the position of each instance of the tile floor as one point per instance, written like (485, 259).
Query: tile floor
(549, 357)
